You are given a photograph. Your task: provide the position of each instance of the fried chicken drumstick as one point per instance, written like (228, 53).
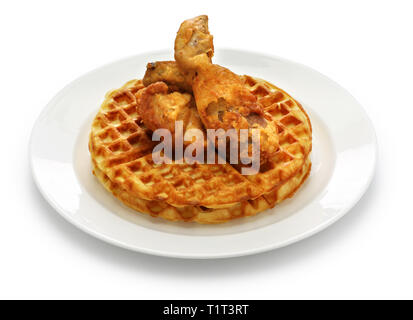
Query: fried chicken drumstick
(222, 99)
(161, 108)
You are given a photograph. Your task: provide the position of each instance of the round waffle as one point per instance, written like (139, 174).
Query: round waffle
(121, 146)
(202, 214)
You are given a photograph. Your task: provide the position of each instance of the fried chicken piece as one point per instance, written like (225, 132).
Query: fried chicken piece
(168, 72)
(193, 44)
(222, 99)
(160, 109)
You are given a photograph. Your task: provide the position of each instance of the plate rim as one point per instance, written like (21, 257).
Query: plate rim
(320, 227)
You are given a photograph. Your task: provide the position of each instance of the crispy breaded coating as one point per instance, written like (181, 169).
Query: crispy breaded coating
(168, 72)
(222, 99)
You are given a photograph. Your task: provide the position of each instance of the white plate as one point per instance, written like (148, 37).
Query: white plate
(344, 157)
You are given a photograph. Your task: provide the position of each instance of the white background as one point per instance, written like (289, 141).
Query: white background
(366, 46)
